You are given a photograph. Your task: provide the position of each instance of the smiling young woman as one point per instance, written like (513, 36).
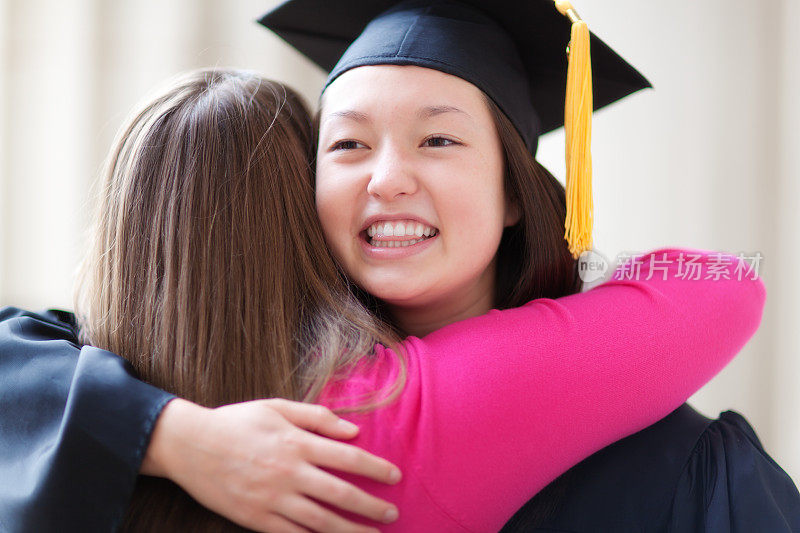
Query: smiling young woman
(391, 170)
(496, 242)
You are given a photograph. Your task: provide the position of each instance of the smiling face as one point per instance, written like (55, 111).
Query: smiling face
(410, 189)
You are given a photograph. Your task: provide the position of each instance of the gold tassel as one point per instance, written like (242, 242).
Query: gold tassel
(578, 125)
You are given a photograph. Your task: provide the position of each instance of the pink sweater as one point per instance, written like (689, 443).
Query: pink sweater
(497, 406)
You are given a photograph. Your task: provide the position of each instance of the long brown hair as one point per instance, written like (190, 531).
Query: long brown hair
(533, 260)
(208, 270)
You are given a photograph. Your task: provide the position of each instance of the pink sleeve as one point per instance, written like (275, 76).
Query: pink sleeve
(498, 406)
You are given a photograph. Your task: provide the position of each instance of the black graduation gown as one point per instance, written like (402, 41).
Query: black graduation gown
(686, 473)
(74, 426)
(75, 423)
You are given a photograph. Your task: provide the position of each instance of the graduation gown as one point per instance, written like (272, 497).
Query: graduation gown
(686, 473)
(76, 421)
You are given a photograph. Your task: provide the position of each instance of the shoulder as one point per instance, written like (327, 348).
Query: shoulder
(730, 482)
(685, 473)
(53, 324)
(626, 486)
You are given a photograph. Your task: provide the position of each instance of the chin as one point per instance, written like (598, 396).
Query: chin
(395, 293)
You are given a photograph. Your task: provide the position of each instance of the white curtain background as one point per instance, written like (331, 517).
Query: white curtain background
(706, 160)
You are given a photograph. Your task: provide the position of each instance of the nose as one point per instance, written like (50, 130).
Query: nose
(392, 175)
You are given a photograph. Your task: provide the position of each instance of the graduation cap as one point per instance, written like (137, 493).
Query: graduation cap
(526, 55)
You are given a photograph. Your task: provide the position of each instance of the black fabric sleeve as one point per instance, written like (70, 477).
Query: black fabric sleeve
(731, 484)
(75, 423)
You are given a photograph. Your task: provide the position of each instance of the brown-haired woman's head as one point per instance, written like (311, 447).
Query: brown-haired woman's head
(208, 270)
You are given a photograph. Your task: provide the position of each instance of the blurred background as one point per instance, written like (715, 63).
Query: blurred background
(708, 159)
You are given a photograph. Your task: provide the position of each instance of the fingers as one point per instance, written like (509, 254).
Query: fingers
(316, 418)
(329, 488)
(348, 458)
(314, 516)
(278, 524)
(332, 454)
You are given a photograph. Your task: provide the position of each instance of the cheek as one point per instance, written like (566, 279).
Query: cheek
(475, 225)
(478, 212)
(475, 206)
(334, 198)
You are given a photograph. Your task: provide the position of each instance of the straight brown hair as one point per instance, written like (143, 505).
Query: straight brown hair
(533, 260)
(208, 270)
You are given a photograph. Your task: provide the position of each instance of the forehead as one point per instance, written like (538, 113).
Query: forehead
(399, 86)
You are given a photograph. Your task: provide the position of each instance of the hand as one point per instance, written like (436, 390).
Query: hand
(255, 463)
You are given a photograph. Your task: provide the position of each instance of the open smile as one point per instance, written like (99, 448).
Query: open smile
(408, 235)
(398, 233)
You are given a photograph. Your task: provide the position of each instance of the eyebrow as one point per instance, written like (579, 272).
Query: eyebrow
(435, 110)
(351, 115)
(424, 113)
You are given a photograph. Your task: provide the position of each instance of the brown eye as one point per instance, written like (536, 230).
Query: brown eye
(347, 145)
(436, 142)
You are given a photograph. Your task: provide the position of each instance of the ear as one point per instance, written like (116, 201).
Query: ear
(513, 213)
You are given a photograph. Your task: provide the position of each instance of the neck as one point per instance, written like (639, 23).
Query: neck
(475, 300)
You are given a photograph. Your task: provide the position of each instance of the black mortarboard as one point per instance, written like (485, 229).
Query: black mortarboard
(515, 51)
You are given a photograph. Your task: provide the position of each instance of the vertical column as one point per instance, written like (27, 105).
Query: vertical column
(784, 289)
(4, 174)
(49, 80)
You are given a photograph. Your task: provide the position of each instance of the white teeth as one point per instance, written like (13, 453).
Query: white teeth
(399, 229)
(404, 228)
